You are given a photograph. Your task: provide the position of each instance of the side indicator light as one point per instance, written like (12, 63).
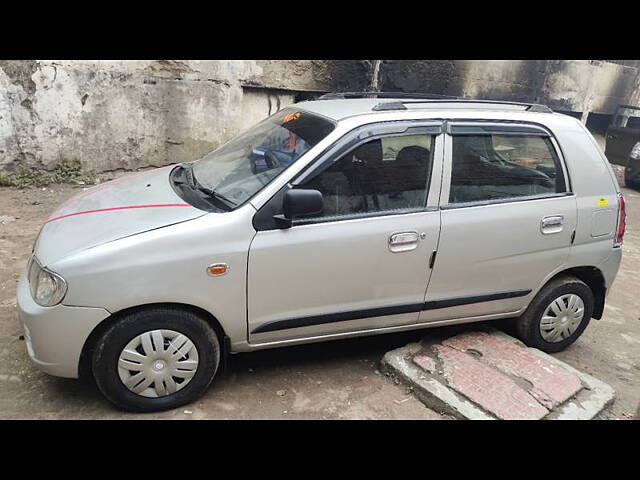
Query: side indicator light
(217, 269)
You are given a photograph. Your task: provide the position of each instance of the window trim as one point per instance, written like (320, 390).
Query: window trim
(495, 127)
(524, 198)
(349, 141)
(361, 216)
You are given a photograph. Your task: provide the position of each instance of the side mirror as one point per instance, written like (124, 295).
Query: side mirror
(299, 203)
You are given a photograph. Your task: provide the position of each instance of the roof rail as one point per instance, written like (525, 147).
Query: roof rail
(344, 95)
(425, 98)
(401, 105)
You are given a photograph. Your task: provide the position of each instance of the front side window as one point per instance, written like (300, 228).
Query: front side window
(494, 167)
(382, 175)
(240, 168)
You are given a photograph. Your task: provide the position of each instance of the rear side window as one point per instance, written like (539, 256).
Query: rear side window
(494, 167)
(382, 175)
(627, 118)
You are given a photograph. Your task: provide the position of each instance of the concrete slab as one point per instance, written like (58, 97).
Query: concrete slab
(549, 384)
(486, 374)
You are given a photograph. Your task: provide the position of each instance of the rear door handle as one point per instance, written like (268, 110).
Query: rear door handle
(403, 241)
(552, 224)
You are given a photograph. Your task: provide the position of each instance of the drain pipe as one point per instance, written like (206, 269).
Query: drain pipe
(375, 75)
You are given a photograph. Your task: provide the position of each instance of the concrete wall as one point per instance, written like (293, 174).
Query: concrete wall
(567, 85)
(114, 115)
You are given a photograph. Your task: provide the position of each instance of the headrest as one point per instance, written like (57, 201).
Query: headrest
(413, 153)
(370, 151)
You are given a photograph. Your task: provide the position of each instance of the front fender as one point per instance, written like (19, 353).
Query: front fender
(168, 265)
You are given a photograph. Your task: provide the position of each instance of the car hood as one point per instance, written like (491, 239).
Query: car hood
(132, 204)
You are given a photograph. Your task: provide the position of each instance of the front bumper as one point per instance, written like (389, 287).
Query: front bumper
(55, 335)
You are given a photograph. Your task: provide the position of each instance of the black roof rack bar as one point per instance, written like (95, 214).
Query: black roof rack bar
(622, 105)
(424, 98)
(401, 105)
(344, 95)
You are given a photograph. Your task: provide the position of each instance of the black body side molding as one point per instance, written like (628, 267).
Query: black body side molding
(454, 302)
(383, 311)
(336, 317)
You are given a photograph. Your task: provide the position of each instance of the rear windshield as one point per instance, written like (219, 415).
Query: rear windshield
(243, 166)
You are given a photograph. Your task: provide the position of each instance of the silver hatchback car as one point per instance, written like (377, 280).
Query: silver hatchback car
(330, 219)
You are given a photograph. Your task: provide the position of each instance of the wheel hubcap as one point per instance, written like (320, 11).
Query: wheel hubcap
(158, 366)
(562, 318)
(158, 363)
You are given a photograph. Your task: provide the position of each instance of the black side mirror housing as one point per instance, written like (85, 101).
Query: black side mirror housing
(299, 203)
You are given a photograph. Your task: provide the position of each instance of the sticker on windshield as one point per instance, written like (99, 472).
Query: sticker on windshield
(291, 117)
(603, 201)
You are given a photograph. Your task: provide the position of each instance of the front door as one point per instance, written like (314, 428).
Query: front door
(364, 262)
(508, 220)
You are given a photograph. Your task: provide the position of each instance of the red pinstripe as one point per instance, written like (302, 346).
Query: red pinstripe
(161, 205)
(102, 188)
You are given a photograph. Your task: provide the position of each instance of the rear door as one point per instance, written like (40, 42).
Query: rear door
(364, 262)
(508, 219)
(623, 134)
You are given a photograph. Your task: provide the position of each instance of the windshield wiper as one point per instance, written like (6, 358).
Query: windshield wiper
(193, 182)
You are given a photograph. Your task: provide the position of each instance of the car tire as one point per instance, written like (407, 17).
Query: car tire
(149, 346)
(629, 173)
(542, 327)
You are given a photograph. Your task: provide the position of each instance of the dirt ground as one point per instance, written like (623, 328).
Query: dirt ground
(333, 380)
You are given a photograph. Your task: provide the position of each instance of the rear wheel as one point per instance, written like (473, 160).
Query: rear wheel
(156, 359)
(557, 316)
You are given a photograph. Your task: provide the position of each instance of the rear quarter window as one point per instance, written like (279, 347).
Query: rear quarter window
(503, 166)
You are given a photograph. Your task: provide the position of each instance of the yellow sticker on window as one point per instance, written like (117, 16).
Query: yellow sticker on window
(603, 201)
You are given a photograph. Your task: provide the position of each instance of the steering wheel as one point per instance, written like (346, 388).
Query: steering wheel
(271, 160)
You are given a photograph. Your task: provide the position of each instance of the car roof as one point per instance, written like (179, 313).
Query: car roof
(340, 109)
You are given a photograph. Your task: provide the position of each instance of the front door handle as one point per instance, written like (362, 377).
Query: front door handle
(403, 241)
(552, 224)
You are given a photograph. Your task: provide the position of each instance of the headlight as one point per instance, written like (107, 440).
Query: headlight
(635, 152)
(47, 288)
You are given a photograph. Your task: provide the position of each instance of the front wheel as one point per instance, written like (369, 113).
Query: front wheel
(631, 175)
(557, 315)
(156, 359)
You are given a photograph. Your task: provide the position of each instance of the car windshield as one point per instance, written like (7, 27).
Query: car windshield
(241, 167)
